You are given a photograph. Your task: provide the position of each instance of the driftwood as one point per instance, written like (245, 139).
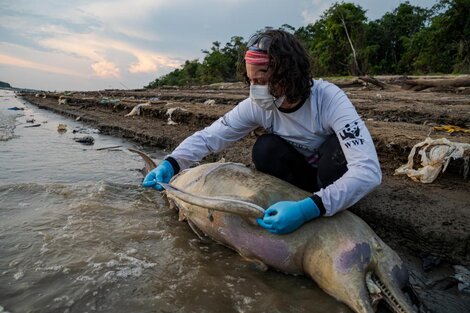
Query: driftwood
(349, 83)
(373, 81)
(360, 82)
(421, 84)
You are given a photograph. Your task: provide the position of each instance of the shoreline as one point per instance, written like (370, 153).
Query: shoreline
(396, 210)
(427, 224)
(428, 219)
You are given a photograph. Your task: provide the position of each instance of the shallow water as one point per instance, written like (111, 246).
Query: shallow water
(79, 234)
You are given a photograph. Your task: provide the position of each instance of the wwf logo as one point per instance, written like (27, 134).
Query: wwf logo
(350, 131)
(351, 135)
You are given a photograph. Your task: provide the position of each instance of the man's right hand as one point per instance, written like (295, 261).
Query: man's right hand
(161, 174)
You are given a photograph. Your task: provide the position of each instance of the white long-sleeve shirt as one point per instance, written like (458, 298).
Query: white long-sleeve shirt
(327, 111)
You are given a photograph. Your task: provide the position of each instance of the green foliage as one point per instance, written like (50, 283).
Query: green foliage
(408, 40)
(327, 39)
(390, 37)
(4, 85)
(444, 46)
(219, 65)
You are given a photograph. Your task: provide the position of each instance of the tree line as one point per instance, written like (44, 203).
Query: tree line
(408, 40)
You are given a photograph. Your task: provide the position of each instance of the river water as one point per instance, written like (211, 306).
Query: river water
(79, 234)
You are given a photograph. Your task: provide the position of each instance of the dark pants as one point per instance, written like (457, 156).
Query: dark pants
(275, 156)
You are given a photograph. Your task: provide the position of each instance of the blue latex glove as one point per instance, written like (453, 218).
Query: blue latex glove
(162, 173)
(286, 216)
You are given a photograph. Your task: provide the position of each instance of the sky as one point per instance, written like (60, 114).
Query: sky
(103, 44)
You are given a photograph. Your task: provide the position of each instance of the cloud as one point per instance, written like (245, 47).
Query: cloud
(134, 42)
(311, 15)
(103, 34)
(105, 69)
(100, 49)
(19, 62)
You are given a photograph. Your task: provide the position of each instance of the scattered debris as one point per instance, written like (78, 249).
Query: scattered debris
(105, 100)
(106, 148)
(78, 118)
(85, 130)
(62, 100)
(462, 274)
(16, 109)
(137, 109)
(40, 95)
(435, 157)
(86, 140)
(209, 102)
(169, 112)
(62, 128)
(371, 80)
(452, 129)
(34, 125)
(31, 120)
(421, 84)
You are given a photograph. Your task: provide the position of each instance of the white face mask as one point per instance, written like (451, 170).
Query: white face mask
(260, 95)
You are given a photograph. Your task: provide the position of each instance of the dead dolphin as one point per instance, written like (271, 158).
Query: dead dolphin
(342, 254)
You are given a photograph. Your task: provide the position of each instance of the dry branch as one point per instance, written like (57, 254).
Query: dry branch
(373, 81)
(361, 81)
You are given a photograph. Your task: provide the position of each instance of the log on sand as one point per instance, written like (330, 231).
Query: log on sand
(421, 84)
(361, 81)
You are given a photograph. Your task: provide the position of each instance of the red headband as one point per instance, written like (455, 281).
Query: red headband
(256, 57)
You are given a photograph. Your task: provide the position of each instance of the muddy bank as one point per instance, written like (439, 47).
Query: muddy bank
(428, 219)
(428, 223)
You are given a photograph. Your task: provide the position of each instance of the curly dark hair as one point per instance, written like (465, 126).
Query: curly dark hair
(290, 64)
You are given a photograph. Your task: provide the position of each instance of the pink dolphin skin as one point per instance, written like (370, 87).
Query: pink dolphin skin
(342, 254)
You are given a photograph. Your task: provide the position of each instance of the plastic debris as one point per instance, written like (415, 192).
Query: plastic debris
(169, 112)
(435, 157)
(106, 100)
(209, 102)
(62, 100)
(137, 109)
(85, 130)
(462, 274)
(16, 109)
(86, 140)
(452, 129)
(62, 128)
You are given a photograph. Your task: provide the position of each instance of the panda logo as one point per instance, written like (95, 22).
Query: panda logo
(350, 131)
